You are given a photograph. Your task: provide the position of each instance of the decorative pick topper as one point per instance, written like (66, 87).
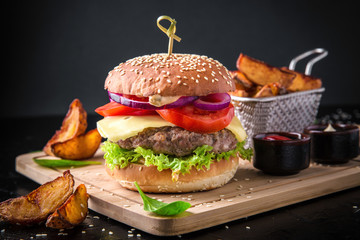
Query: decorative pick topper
(170, 32)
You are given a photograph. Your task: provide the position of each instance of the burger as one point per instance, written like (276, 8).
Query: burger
(170, 125)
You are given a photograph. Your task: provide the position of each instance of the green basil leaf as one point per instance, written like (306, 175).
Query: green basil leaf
(63, 162)
(160, 208)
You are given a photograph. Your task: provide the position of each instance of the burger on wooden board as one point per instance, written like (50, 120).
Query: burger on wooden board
(170, 125)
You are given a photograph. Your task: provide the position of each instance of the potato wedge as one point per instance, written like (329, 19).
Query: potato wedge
(240, 78)
(74, 124)
(240, 91)
(37, 205)
(269, 90)
(262, 73)
(80, 147)
(72, 212)
(302, 82)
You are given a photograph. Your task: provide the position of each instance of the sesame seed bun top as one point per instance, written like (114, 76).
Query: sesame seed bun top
(174, 75)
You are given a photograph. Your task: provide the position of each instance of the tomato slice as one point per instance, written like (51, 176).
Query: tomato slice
(197, 120)
(116, 109)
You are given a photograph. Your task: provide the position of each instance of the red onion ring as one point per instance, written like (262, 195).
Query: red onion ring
(119, 98)
(213, 102)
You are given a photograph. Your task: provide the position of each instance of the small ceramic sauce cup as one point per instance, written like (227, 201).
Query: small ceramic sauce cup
(284, 155)
(333, 147)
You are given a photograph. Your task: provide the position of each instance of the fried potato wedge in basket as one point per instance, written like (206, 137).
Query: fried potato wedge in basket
(241, 79)
(72, 212)
(269, 90)
(262, 73)
(36, 206)
(80, 147)
(302, 82)
(74, 124)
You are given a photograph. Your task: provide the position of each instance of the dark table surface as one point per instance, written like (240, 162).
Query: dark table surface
(335, 216)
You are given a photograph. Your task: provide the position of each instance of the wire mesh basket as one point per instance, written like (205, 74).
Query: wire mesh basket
(289, 112)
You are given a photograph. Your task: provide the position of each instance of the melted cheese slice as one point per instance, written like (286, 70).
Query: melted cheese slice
(122, 127)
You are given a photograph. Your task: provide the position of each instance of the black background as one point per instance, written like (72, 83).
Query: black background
(56, 51)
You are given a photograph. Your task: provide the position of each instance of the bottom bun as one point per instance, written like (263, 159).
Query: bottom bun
(152, 180)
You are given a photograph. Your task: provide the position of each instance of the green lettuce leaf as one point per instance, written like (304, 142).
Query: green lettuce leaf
(201, 157)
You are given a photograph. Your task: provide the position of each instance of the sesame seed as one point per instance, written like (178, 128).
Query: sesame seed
(185, 84)
(169, 81)
(179, 82)
(206, 78)
(41, 235)
(110, 233)
(197, 81)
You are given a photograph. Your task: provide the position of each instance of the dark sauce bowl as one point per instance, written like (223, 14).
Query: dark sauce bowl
(281, 157)
(333, 147)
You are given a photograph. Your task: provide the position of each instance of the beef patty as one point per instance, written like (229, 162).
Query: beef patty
(178, 141)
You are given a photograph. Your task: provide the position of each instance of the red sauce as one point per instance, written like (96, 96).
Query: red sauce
(276, 138)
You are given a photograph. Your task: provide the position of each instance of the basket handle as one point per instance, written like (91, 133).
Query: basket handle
(322, 53)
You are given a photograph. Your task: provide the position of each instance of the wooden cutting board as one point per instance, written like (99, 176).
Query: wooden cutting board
(250, 192)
